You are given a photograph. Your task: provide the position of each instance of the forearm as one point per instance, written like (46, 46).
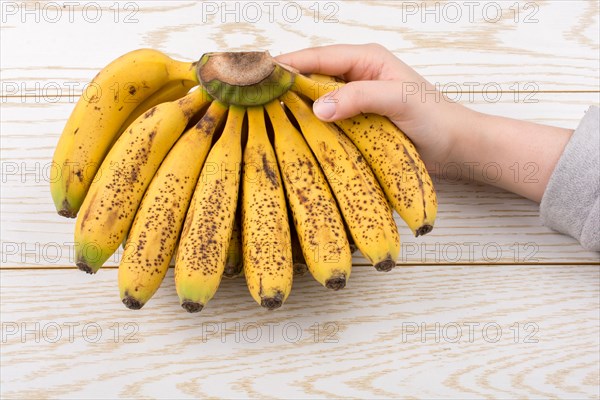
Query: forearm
(515, 155)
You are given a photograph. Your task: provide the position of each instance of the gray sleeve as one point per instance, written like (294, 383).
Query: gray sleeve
(571, 202)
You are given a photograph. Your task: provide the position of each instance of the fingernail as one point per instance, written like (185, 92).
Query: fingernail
(324, 108)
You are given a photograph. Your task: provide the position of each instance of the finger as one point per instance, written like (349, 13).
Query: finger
(353, 62)
(378, 97)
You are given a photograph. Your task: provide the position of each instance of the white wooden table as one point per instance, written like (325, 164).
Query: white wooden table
(490, 304)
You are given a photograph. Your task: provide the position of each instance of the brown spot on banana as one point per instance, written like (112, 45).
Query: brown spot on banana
(88, 211)
(268, 170)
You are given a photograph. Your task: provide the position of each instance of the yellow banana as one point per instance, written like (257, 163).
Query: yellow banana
(98, 116)
(298, 260)
(209, 221)
(391, 155)
(360, 198)
(353, 248)
(158, 221)
(265, 226)
(171, 91)
(114, 196)
(233, 265)
(317, 219)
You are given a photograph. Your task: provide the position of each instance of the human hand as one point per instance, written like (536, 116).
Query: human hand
(443, 132)
(380, 83)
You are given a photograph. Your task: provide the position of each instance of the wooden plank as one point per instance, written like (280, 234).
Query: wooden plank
(486, 45)
(476, 223)
(377, 338)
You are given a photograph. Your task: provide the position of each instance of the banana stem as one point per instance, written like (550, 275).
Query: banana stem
(244, 78)
(185, 71)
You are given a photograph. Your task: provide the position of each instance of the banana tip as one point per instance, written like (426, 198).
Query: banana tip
(271, 303)
(300, 269)
(82, 265)
(132, 303)
(424, 230)
(336, 283)
(231, 271)
(385, 265)
(191, 306)
(67, 213)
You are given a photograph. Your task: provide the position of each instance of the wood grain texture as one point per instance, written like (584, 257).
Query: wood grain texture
(476, 223)
(552, 45)
(370, 342)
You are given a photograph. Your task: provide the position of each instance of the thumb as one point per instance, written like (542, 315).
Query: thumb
(378, 97)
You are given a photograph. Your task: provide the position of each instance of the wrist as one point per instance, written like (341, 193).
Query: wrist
(464, 133)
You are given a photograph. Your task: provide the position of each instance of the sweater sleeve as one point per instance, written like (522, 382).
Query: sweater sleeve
(571, 202)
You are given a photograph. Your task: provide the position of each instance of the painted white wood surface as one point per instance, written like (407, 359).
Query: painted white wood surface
(550, 44)
(371, 341)
(546, 57)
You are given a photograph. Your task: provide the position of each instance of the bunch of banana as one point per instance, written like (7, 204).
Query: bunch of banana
(235, 178)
